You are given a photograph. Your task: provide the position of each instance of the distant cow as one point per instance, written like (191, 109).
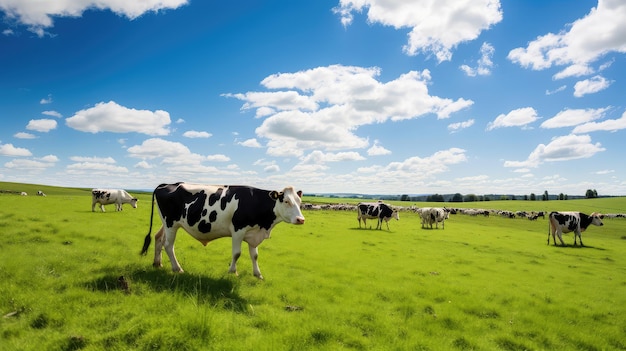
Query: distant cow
(430, 215)
(379, 210)
(209, 212)
(565, 222)
(111, 196)
(41, 193)
(23, 193)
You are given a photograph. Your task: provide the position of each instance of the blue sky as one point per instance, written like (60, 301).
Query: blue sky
(368, 96)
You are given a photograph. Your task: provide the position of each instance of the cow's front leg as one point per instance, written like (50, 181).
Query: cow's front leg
(254, 256)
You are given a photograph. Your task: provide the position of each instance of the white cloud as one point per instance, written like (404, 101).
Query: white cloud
(559, 89)
(218, 158)
(436, 28)
(10, 150)
(43, 101)
(111, 117)
(563, 148)
(41, 125)
(8, 32)
(196, 134)
(317, 157)
(38, 15)
(156, 147)
(333, 102)
(588, 39)
(610, 125)
(377, 150)
(416, 167)
(95, 167)
(108, 160)
(143, 165)
(28, 165)
(573, 117)
(52, 114)
(484, 63)
(590, 86)
(455, 127)
(22, 135)
(50, 159)
(272, 169)
(575, 70)
(520, 117)
(250, 143)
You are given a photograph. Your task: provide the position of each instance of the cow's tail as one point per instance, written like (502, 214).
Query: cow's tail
(148, 239)
(549, 225)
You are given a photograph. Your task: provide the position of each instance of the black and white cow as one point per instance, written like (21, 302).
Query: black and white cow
(41, 193)
(565, 222)
(434, 215)
(209, 212)
(378, 210)
(111, 196)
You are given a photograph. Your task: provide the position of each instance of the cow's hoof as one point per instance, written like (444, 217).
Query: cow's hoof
(157, 265)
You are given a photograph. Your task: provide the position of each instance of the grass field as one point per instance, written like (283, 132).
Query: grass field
(480, 284)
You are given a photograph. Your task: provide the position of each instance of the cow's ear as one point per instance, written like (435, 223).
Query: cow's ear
(274, 194)
(299, 193)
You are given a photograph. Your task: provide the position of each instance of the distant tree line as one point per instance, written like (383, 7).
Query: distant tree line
(458, 197)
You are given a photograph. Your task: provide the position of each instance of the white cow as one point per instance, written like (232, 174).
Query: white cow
(111, 196)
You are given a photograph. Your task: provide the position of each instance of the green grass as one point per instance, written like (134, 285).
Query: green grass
(480, 284)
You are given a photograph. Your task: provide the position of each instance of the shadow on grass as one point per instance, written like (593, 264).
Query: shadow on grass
(572, 246)
(219, 292)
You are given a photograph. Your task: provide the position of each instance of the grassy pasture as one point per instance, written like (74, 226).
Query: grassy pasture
(479, 284)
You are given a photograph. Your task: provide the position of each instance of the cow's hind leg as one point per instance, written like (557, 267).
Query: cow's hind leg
(168, 244)
(158, 247)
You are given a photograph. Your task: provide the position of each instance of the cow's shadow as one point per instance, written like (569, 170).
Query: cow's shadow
(572, 246)
(218, 292)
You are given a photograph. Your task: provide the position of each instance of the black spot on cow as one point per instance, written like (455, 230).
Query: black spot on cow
(256, 207)
(196, 208)
(213, 216)
(215, 196)
(204, 227)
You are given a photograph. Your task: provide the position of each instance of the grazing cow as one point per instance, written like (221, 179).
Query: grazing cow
(41, 193)
(111, 196)
(379, 210)
(209, 212)
(565, 222)
(23, 193)
(430, 215)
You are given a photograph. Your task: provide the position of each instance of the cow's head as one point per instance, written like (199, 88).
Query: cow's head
(288, 205)
(133, 202)
(596, 219)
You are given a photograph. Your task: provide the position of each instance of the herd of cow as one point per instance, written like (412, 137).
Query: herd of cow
(249, 214)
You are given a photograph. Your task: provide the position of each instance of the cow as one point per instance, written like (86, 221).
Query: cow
(41, 193)
(430, 215)
(111, 196)
(209, 212)
(23, 193)
(378, 210)
(565, 222)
